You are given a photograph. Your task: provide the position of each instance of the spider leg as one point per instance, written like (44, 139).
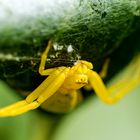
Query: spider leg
(104, 70)
(127, 83)
(54, 86)
(18, 108)
(76, 98)
(5, 110)
(40, 89)
(42, 69)
(102, 73)
(52, 71)
(130, 73)
(37, 97)
(104, 93)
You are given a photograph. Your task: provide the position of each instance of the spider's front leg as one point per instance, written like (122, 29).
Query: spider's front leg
(38, 96)
(46, 89)
(128, 81)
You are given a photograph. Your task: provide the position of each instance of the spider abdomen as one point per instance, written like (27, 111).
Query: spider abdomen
(62, 102)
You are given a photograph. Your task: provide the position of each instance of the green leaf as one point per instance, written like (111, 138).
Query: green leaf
(93, 28)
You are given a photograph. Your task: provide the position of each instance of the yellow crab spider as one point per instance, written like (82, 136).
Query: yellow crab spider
(59, 91)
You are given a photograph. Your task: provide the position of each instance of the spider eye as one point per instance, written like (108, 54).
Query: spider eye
(82, 80)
